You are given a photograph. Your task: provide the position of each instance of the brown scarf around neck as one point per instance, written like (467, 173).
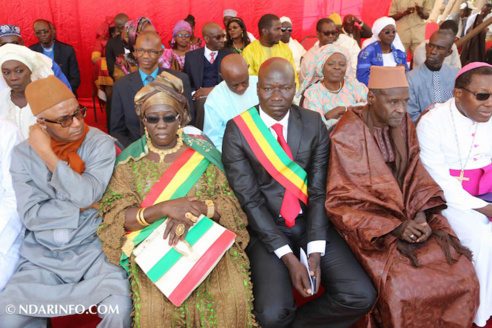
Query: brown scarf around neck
(67, 151)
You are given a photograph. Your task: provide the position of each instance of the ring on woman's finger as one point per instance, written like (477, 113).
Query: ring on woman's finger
(180, 229)
(412, 236)
(191, 217)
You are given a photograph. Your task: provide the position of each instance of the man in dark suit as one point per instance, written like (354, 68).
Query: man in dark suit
(203, 67)
(362, 31)
(114, 47)
(125, 124)
(279, 223)
(61, 53)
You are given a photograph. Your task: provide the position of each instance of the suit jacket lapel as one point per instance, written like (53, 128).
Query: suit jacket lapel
(294, 132)
(201, 65)
(57, 50)
(37, 47)
(136, 82)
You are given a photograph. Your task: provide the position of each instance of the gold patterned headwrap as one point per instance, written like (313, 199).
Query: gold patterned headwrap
(167, 89)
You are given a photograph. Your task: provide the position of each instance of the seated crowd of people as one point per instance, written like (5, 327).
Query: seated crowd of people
(251, 174)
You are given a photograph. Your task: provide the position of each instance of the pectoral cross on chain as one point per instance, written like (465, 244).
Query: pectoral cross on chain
(462, 177)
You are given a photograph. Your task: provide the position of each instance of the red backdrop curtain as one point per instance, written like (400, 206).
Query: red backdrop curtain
(75, 21)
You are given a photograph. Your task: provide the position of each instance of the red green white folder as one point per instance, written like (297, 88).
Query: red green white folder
(178, 270)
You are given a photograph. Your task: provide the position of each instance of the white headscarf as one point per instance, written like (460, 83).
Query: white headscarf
(315, 71)
(377, 27)
(284, 19)
(38, 64)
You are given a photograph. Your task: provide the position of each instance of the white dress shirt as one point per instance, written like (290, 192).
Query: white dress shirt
(208, 52)
(315, 246)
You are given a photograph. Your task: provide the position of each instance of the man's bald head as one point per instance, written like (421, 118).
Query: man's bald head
(41, 21)
(277, 64)
(120, 17)
(233, 64)
(120, 21)
(213, 35)
(276, 87)
(234, 70)
(210, 27)
(149, 36)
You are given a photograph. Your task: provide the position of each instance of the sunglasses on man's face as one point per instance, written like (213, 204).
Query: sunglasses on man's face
(480, 96)
(42, 32)
(217, 37)
(284, 29)
(328, 33)
(67, 121)
(154, 119)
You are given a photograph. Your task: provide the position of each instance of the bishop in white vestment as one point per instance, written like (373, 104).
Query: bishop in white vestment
(455, 138)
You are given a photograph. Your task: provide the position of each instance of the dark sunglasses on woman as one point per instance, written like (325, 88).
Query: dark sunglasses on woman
(155, 119)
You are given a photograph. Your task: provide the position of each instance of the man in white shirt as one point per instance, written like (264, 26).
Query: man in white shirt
(456, 148)
(280, 221)
(297, 49)
(328, 33)
(229, 98)
(474, 49)
(485, 12)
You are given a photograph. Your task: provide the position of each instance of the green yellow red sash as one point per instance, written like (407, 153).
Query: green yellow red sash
(176, 182)
(271, 155)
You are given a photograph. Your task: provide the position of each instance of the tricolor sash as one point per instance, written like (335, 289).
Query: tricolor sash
(271, 155)
(176, 182)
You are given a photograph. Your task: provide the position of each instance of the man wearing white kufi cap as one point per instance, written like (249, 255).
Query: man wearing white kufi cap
(297, 49)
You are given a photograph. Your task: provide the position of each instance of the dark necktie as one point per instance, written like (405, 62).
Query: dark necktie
(290, 204)
(149, 78)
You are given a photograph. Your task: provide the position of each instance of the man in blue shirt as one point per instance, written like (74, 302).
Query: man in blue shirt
(61, 53)
(229, 98)
(124, 122)
(432, 82)
(11, 34)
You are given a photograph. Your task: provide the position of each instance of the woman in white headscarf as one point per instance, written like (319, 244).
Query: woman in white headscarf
(384, 48)
(20, 66)
(327, 88)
